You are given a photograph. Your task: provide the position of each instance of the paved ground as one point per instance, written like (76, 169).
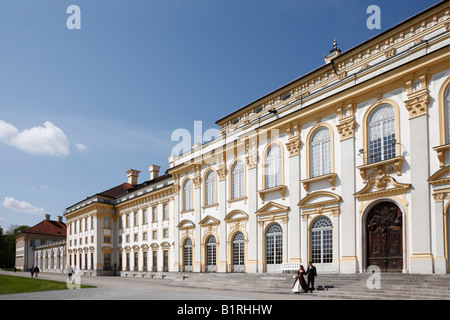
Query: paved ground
(118, 288)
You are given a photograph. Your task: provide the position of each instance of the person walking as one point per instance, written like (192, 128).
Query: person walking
(36, 271)
(311, 274)
(70, 272)
(32, 271)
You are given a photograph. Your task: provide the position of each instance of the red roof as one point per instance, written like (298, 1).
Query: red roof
(116, 191)
(49, 227)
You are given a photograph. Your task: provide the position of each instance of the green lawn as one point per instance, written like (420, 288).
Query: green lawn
(12, 284)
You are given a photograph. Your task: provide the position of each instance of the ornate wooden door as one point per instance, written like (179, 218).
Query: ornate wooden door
(384, 237)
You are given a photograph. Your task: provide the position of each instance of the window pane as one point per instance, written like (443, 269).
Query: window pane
(274, 244)
(381, 134)
(447, 114)
(273, 167)
(237, 184)
(210, 188)
(320, 154)
(322, 241)
(187, 195)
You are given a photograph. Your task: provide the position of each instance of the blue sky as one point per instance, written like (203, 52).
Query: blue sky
(78, 108)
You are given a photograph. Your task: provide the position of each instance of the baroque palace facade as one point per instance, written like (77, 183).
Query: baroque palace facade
(347, 166)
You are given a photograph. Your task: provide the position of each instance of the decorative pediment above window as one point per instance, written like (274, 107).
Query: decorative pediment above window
(186, 224)
(382, 185)
(154, 245)
(165, 244)
(272, 208)
(208, 220)
(440, 177)
(236, 215)
(281, 189)
(271, 212)
(319, 199)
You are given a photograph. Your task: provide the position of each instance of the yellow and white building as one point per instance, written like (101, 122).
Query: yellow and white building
(347, 166)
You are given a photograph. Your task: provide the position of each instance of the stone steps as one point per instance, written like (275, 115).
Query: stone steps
(392, 286)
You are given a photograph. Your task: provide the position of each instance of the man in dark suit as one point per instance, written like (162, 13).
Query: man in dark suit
(311, 274)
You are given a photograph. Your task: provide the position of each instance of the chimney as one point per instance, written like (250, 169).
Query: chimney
(47, 217)
(133, 176)
(154, 171)
(60, 219)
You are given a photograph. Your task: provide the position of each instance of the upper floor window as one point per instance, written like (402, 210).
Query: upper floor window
(144, 216)
(165, 211)
(381, 134)
(187, 195)
(237, 180)
(210, 188)
(320, 152)
(273, 166)
(447, 114)
(107, 223)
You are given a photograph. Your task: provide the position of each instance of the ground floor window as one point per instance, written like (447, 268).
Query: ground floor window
(211, 254)
(187, 257)
(322, 241)
(274, 244)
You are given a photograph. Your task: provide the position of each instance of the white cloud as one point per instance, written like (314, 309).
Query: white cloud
(80, 146)
(42, 140)
(21, 206)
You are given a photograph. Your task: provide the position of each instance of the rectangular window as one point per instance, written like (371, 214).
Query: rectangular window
(144, 216)
(107, 223)
(154, 214)
(135, 218)
(165, 211)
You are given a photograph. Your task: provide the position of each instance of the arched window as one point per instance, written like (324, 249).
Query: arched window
(238, 252)
(320, 152)
(447, 114)
(211, 254)
(274, 244)
(210, 188)
(381, 134)
(237, 180)
(187, 256)
(187, 195)
(322, 241)
(273, 166)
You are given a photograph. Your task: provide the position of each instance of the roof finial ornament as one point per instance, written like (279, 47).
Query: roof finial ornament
(333, 53)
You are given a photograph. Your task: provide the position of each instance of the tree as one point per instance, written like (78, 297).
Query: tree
(8, 245)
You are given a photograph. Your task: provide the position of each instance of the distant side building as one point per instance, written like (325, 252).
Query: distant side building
(126, 230)
(42, 245)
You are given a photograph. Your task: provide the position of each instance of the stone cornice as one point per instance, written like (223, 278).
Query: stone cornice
(387, 45)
